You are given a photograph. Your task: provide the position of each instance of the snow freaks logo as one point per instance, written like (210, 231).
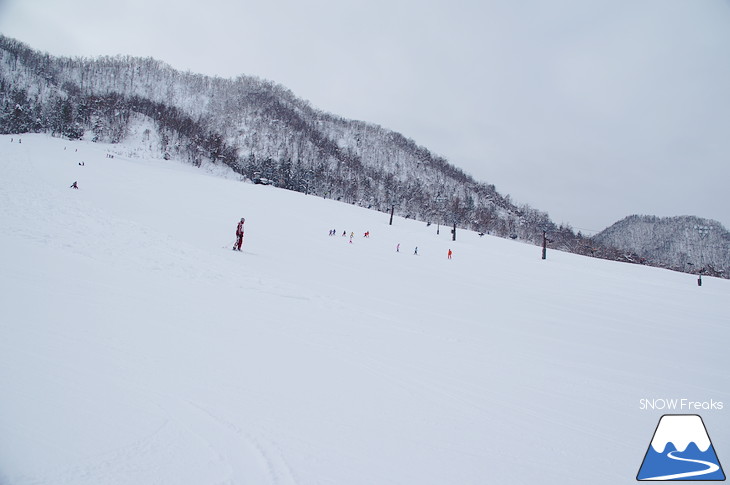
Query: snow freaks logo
(680, 450)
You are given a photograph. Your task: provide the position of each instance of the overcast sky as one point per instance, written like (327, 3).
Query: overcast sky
(588, 110)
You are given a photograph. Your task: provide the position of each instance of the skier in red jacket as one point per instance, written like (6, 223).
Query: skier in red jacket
(239, 235)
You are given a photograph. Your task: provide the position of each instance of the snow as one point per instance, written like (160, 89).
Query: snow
(136, 347)
(680, 430)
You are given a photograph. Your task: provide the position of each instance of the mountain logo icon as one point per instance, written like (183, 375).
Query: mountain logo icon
(680, 450)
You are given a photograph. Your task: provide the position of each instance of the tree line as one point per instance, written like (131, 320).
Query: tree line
(261, 131)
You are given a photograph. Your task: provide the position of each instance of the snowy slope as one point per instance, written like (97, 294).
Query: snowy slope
(136, 347)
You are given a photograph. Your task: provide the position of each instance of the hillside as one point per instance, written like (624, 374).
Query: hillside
(263, 132)
(136, 347)
(688, 244)
(258, 128)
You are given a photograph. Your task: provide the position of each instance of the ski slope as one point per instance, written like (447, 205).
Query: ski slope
(137, 348)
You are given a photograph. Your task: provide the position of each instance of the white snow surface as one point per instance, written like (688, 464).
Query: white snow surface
(137, 348)
(680, 430)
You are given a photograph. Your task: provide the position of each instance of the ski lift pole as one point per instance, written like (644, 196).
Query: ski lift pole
(544, 244)
(703, 231)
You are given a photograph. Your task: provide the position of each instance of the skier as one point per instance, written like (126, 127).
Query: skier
(397, 248)
(449, 254)
(239, 235)
(74, 185)
(415, 253)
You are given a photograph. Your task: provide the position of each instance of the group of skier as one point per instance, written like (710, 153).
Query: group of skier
(240, 231)
(333, 232)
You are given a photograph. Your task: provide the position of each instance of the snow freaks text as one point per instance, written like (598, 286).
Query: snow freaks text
(663, 404)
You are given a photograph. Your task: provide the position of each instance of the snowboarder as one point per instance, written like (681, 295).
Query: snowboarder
(449, 254)
(74, 185)
(239, 235)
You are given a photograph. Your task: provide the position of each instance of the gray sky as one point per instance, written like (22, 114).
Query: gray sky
(590, 111)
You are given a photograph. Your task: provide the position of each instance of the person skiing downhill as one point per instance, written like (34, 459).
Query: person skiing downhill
(239, 235)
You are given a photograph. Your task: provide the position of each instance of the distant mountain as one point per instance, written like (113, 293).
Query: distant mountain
(686, 243)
